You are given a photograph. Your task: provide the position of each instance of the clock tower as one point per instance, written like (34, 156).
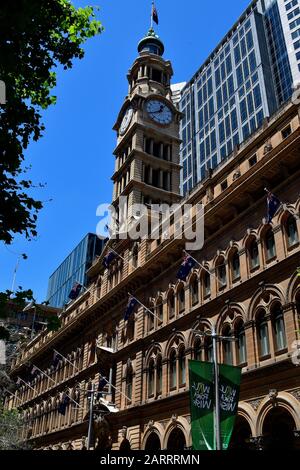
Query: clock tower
(147, 169)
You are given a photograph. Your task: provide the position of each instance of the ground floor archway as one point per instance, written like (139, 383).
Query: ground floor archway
(153, 443)
(278, 430)
(241, 435)
(176, 440)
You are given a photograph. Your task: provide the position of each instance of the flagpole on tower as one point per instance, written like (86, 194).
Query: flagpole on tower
(151, 20)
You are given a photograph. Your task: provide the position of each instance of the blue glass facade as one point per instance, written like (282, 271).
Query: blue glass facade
(73, 269)
(245, 80)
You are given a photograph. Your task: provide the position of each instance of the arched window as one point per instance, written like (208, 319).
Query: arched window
(227, 346)
(172, 371)
(270, 248)
(181, 298)
(197, 349)
(253, 254)
(221, 273)
(181, 367)
(171, 304)
(151, 378)
(135, 256)
(194, 289)
(206, 284)
(241, 352)
(129, 382)
(278, 328)
(160, 310)
(263, 334)
(208, 349)
(158, 375)
(235, 266)
(291, 231)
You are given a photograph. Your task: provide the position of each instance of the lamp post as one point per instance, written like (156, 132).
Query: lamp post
(217, 416)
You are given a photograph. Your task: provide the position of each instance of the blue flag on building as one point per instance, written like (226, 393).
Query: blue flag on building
(188, 264)
(75, 291)
(108, 259)
(62, 407)
(154, 13)
(273, 205)
(131, 306)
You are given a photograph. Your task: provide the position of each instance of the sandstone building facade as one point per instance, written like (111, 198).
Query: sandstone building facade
(247, 286)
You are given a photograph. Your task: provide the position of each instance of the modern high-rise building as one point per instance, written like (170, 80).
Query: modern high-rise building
(73, 269)
(248, 76)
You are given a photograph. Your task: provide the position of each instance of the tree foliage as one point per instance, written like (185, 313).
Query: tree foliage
(36, 36)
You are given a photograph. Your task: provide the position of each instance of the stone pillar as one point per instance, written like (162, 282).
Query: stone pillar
(164, 378)
(251, 346)
(161, 179)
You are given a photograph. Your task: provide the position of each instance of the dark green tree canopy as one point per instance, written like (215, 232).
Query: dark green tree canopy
(36, 36)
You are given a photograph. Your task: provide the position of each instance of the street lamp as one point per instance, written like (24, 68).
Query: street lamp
(215, 338)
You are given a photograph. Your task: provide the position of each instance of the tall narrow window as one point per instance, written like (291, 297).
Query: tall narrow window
(206, 284)
(151, 317)
(270, 245)
(135, 256)
(194, 289)
(278, 328)
(241, 352)
(263, 335)
(151, 379)
(208, 349)
(292, 232)
(227, 347)
(181, 367)
(173, 376)
(235, 266)
(221, 273)
(159, 310)
(129, 382)
(171, 304)
(181, 299)
(253, 254)
(197, 349)
(158, 375)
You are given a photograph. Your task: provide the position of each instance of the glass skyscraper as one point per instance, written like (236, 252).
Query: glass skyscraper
(73, 269)
(247, 78)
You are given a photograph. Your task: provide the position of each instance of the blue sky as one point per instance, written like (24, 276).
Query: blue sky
(75, 156)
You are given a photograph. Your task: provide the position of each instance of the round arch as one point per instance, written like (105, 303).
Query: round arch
(284, 400)
(180, 424)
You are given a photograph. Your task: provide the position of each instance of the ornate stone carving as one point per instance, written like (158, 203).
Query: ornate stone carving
(296, 394)
(255, 403)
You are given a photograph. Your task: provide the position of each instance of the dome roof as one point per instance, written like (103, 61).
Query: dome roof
(151, 43)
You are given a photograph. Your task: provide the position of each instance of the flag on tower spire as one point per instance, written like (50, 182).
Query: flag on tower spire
(154, 14)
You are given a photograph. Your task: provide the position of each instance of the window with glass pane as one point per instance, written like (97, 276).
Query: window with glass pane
(235, 266)
(151, 318)
(173, 383)
(159, 310)
(241, 344)
(151, 379)
(171, 304)
(208, 350)
(206, 284)
(221, 270)
(129, 378)
(181, 367)
(181, 299)
(195, 290)
(254, 255)
(197, 350)
(227, 348)
(270, 245)
(278, 329)
(263, 336)
(158, 375)
(292, 232)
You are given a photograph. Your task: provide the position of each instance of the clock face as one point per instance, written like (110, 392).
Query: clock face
(159, 112)
(126, 120)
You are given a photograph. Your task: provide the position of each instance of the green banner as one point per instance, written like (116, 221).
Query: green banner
(202, 403)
